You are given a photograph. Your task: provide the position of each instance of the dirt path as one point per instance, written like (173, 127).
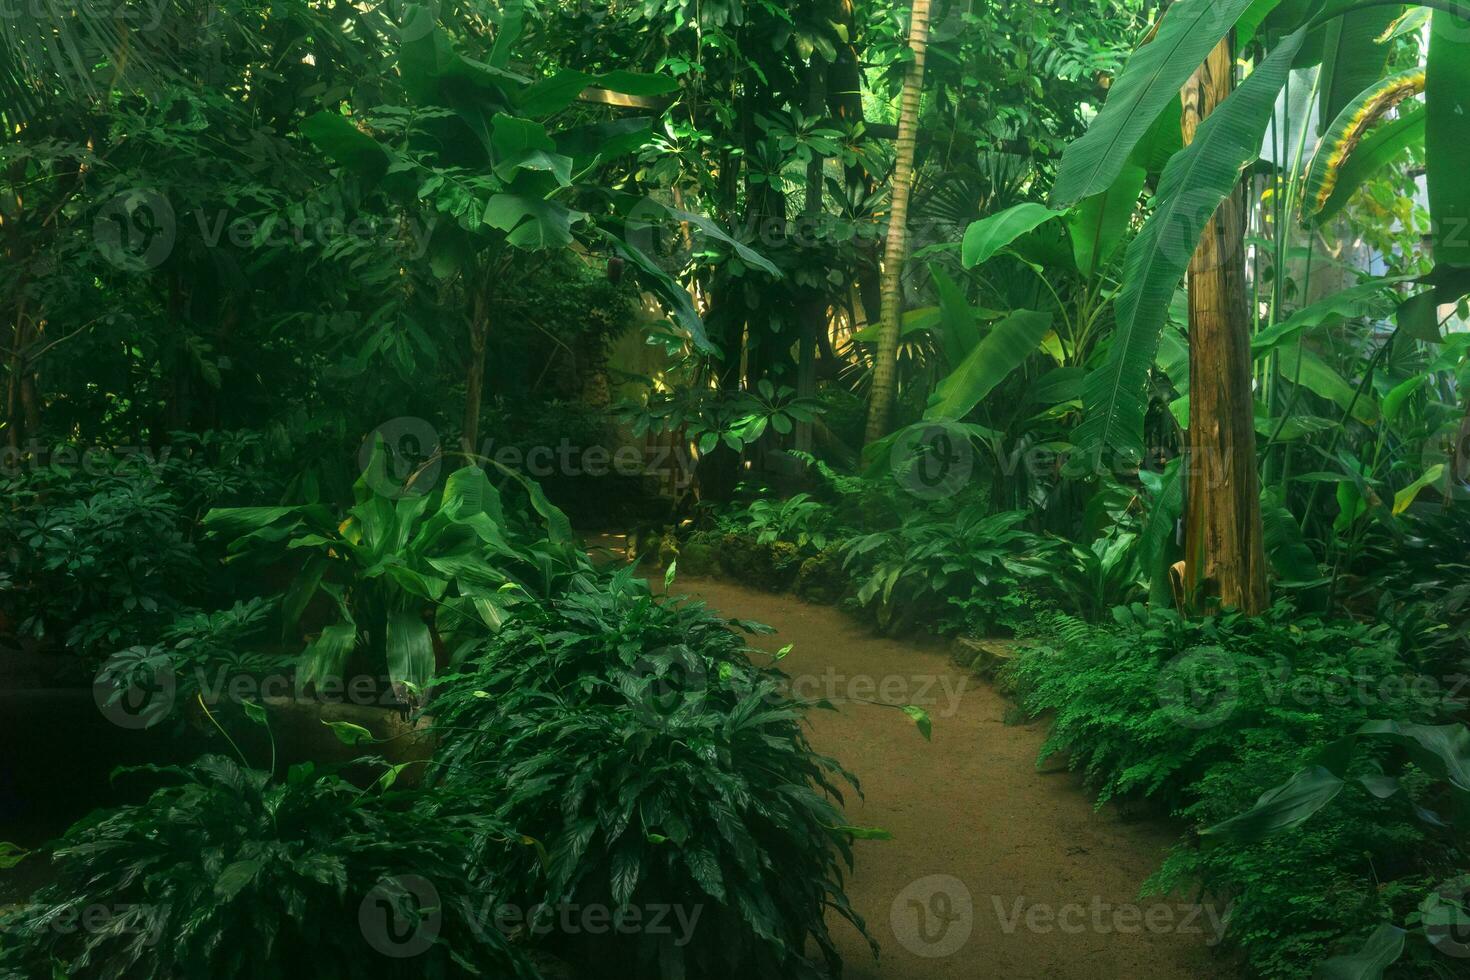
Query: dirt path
(994, 870)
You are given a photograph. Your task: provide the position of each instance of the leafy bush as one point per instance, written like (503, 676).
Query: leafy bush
(950, 564)
(807, 523)
(226, 872)
(1205, 715)
(100, 544)
(407, 577)
(659, 767)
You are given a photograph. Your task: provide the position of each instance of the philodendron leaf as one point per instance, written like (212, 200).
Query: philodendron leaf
(1191, 190)
(1380, 951)
(989, 235)
(335, 136)
(1150, 82)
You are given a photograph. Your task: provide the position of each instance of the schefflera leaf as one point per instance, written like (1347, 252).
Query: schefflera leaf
(1348, 133)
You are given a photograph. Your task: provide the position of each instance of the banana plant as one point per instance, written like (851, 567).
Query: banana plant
(1198, 178)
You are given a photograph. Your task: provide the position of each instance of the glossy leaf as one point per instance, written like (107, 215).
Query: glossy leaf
(986, 237)
(1004, 349)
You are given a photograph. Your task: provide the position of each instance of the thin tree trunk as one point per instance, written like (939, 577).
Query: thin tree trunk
(474, 389)
(814, 313)
(885, 369)
(1224, 557)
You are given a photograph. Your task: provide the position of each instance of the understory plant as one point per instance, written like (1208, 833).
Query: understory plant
(659, 768)
(1203, 716)
(406, 572)
(230, 872)
(949, 565)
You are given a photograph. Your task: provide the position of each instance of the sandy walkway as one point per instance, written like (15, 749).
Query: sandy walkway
(994, 870)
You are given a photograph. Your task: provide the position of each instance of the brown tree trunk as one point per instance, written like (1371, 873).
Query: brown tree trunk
(885, 367)
(1224, 557)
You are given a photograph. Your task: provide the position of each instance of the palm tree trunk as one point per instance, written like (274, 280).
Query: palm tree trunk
(885, 368)
(1224, 555)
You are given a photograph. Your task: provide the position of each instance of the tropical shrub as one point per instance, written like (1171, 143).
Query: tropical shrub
(950, 565)
(659, 767)
(227, 871)
(1203, 716)
(407, 573)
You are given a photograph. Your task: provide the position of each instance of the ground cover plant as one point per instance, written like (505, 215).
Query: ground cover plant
(358, 361)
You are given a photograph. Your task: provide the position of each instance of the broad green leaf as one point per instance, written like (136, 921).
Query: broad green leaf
(604, 140)
(553, 94)
(661, 284)
(637, 83)
(1286, 547)
(958, 332)
(255, 711)
(1405, 498)
(327, 654)
(232, 521)
(410, 648)
(1194, 184)
(1352, 58)
(335, 135)
(1165, 507)
(11, 855)
(921, 720)
(1374, 299)
(989, 235)
(1289, 805)
(1098, 223)
(1447, 134)
(1443, 750)
(1395, 400)
(1380, 951)
(531, 223)
(1003, 350)
(349, 734)
(1148, 84)
(1322, 380)
(508, 34)
(233, 879)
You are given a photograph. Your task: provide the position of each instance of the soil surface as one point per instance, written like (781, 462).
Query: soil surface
(995, 870)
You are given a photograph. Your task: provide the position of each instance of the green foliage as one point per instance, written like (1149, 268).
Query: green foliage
(655, 763)
(953, 552)
(409, 569)
(249, 875)
(1206, 715)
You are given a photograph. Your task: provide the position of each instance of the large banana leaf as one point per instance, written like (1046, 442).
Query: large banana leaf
(1362, 162)
(1150, 82)
(1374, 298)
(1352, 58)
(1319, 377)
(1009, 343)
(1379, 951)
(1097, 225)
(1190, 191)
(1345, 134)
(1447, 99)
(991, 234)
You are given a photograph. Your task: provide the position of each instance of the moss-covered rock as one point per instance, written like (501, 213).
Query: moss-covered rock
(822, 578)
(700, 555)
